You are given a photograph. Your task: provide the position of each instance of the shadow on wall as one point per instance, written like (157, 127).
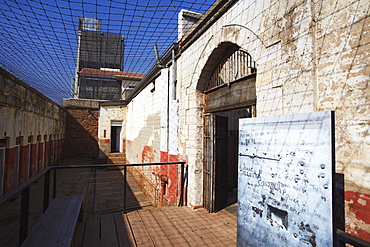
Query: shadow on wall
(81, 135)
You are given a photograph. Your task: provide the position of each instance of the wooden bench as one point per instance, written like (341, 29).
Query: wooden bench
(57, 225)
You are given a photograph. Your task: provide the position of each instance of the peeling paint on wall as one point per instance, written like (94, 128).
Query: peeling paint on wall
(359, 208)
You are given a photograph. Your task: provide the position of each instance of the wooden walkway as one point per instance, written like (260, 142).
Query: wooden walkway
(105, 224)
(166, 226)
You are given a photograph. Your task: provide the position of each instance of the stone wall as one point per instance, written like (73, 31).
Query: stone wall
(310, 56)
(342, 84)
(32, 130)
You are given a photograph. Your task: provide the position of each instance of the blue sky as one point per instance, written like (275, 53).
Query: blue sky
(39, 37)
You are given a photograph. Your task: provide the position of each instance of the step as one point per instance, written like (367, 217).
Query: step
(113, 158)
(116, 154)
(116, 160)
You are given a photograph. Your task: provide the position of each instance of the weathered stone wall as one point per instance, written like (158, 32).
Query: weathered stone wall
(151, 136)
(310, 56)
(152, 123)
(342, 84)
(32, 130)
(143, 125)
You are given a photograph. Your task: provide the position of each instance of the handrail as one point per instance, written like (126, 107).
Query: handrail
(23, 185)
(24, 189)
(351, 239)
(118, 165)
(182, 200)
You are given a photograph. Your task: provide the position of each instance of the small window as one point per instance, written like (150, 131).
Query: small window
(18, 140)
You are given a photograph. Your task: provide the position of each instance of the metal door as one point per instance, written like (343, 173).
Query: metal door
(215, 162)
(208, 193)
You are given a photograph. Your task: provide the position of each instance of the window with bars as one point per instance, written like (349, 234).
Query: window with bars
(231, 68)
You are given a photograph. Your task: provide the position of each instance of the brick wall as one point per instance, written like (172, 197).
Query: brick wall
(81, 133)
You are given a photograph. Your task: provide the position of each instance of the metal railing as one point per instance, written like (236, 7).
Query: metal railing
(24, 205)
(346, 238)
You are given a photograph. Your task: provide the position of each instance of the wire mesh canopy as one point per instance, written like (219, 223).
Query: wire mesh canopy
(39, 38)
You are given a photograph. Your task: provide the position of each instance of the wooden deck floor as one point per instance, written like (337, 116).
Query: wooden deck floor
(166, 226)
(104, 223)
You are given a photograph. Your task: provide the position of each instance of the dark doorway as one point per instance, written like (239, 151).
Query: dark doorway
(215, 168)
(115, 140)
(228, 81)
(221, 136)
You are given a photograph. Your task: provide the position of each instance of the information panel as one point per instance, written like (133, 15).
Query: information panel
(285, 180)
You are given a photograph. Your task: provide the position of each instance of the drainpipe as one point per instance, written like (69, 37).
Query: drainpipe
(171, 95)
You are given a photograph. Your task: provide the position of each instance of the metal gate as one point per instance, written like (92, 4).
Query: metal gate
(215, 162)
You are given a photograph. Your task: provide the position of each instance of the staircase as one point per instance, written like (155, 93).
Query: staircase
(115, 158)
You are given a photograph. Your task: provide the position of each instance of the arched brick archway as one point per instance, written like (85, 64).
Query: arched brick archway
(230, 36)
(212, 62)
(222, 109)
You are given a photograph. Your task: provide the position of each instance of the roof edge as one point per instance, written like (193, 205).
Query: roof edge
(205, 22)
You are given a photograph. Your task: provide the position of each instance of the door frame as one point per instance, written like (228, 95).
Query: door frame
(116, 136)
(214, 163)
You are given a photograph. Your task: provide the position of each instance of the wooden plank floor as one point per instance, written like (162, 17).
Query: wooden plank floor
(105, 224)
(166, 226)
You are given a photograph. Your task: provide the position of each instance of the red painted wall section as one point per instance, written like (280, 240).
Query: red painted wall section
(46, 154)
(170, 174)
(33, 159)
(358, 205)
(51, 153)
(9, 170)
(23, 164)
(147, 155)
(57, 151)
(41, 156)
(104, 141)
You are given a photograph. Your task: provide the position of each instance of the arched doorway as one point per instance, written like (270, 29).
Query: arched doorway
(230, 94)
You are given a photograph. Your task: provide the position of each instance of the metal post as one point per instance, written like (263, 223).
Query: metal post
(186, 186)
(46, 190)
(55, 184)
(182, 185)
(23, 226)
(124, 188)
